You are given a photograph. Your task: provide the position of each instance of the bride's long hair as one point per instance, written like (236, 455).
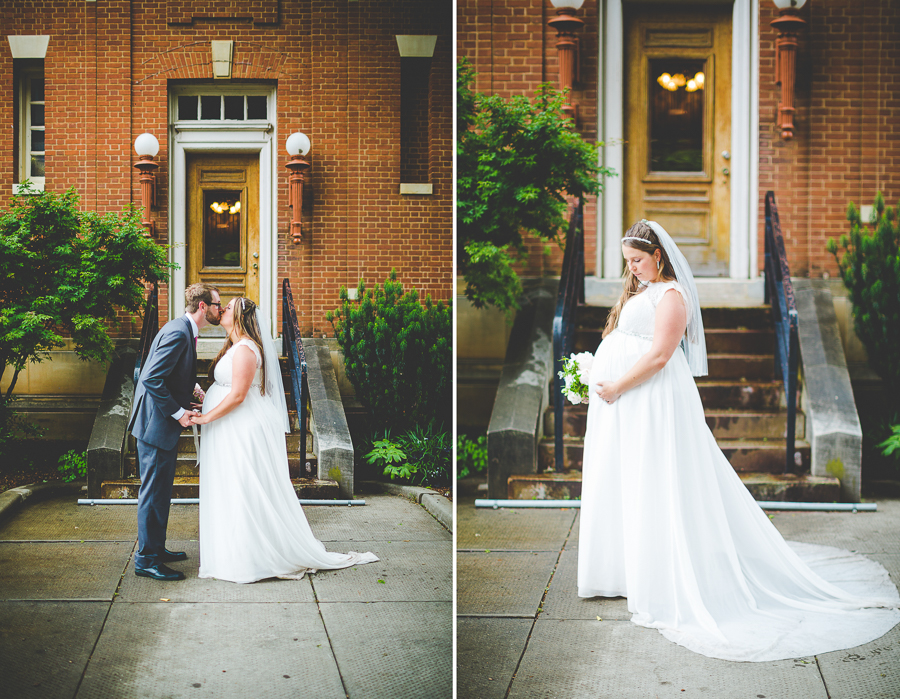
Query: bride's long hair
(245, 325)
(649, 243)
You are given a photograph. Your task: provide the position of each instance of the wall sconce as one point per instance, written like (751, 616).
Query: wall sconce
(146, 146)
(566, 24)
(789, 25)
(297, 146)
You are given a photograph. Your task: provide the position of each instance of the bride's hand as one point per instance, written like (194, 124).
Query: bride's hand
(607, 392)
(199, 420)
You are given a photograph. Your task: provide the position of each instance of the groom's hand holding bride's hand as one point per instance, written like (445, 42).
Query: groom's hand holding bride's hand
(199, 419)
(607, 392)
(186, 419)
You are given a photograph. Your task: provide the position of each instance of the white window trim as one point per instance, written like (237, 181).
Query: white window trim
(255, 137)
(24, 145)
(744, 147)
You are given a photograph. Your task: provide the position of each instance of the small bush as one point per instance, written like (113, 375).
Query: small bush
(397, 354)
(420, 456)
(73, 465)
(870, 269)
(471, 455)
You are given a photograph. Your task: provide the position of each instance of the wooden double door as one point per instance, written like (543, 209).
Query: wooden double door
(678, 127)
(223, 224)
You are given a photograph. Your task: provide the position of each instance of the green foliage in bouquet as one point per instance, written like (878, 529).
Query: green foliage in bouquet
(397, 354)
(870, 268)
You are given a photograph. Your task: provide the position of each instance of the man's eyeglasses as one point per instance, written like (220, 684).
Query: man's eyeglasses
(215, 304)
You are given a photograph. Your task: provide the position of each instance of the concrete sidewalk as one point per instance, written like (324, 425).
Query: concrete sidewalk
(75, 621)
(522, 631)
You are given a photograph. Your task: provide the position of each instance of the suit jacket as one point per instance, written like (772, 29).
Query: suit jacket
(165, 385)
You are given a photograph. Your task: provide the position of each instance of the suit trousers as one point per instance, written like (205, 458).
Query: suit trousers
(157, 477)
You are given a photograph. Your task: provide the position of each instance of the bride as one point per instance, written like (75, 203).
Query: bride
(666, 521)
(251, 525)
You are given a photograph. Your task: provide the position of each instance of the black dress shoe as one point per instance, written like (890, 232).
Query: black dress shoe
(169, 556)
(159, 572)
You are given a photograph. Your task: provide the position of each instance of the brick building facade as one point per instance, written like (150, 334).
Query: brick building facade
(845, 144)
(81, 80)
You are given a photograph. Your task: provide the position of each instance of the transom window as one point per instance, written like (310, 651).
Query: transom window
(219, 107)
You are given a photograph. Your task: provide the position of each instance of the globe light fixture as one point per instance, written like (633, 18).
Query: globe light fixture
(297, 145)
(566, 25)
(789, 25)
(147, 146)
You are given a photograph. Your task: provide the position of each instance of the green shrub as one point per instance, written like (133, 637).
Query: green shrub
(870, 268)
(73, 465)
(397, 354)
(420, 456)
(471, 455)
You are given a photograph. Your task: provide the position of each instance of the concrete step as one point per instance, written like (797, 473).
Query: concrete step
(186, 465)
(718, 340)
(724, 424)
(763, 487)
(741, 395)
(754, 317)
(745, 455)
(186, 442)
(189, 487)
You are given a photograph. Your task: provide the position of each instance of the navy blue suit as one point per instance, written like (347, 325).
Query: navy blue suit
(166, 384)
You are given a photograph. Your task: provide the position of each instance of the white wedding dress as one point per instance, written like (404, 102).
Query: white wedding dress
(251, 525)
(667, 523)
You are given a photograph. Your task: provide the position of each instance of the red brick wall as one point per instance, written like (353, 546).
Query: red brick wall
(337, 69)
(847, 119)
(847, 136)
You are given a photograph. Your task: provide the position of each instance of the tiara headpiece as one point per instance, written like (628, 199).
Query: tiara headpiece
(243, 305)
(634, 237)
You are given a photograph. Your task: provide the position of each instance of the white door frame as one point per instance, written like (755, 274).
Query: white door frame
(743, 284)
(220, 137)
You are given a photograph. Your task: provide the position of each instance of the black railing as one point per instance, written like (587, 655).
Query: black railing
(292, 348)
(569, 297)
(780, 294)
(148, 331)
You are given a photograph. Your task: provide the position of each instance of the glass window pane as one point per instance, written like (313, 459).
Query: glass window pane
(37, 114)
(256, 107)
(234, 107)
(210, 107)
(677, 89)
(37, 166)
(37, 90)
(37, 141)
(187, 108)
(222, 228)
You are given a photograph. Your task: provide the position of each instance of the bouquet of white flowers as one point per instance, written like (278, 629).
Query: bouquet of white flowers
(576, 374)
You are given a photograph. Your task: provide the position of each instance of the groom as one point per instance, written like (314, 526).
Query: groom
(162, 399)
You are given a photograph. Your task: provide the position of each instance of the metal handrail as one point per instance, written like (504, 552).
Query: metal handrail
(148, 330)
(780, 294)
(569, 297)
(292, 348)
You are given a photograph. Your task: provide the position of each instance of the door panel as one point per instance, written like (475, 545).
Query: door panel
(223, 224)
(678, 127)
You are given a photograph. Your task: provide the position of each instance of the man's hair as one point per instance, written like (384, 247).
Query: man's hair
(196, 293)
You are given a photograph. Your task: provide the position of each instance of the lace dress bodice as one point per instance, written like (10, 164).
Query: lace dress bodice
(224, 369)
(638, 316)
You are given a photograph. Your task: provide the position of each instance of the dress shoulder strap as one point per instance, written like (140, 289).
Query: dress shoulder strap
(252, 345)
